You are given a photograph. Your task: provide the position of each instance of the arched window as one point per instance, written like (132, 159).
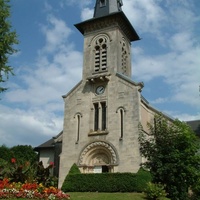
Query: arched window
(78, 121)
(121, 112)
(96, 116)
(100, 54)
(122, 123)
(103, 116)
(100, 115)
(102, 3)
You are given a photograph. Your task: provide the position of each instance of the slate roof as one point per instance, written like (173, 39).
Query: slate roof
(195, 125)
(50, 143)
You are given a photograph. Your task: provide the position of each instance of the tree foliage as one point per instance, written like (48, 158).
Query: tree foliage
(8, 38)
(21, 153)
(18, 163)
(171, 152)
(24, 153)
(5, 153)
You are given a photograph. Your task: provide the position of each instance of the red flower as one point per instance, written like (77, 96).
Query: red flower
(51, 163)
(13, 160)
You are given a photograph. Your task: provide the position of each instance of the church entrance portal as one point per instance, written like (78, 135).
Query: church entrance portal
(98, 157)
(105, 169)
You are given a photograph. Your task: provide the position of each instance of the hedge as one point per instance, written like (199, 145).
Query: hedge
(107, 182)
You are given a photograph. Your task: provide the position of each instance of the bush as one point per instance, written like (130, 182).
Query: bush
(107, 182)
(155, 191)
(74, 169)
(195, 191)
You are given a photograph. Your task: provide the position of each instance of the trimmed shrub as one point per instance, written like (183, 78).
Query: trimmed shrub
(155, 191)
(74, 169)
(107, 182)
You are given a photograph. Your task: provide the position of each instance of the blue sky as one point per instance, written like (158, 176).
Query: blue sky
(49, 62)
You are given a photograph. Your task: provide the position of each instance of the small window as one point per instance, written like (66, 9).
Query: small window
(96, 116)
(103, 107)
(102, 3)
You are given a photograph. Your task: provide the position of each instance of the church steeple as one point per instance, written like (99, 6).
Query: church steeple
(107, 41)
(106, 7)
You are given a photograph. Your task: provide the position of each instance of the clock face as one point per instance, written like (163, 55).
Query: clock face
(100, 89)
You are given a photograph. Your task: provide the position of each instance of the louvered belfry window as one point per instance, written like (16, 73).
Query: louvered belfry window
(102, 3)
(124, 59)
(100, 54)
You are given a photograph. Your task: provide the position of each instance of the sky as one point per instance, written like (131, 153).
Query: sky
(50, 59)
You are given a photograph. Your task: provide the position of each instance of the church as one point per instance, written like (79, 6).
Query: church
(103, 111)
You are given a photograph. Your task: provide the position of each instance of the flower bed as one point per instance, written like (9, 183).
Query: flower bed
(30, 191)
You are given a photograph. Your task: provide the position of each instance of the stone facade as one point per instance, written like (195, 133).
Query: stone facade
(103, 111)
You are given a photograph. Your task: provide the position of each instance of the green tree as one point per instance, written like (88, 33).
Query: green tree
(18, 163)
(8, 38)
(23, 153)
(5, 153)
(171, 152)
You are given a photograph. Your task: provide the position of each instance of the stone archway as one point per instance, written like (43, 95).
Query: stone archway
(98, 157)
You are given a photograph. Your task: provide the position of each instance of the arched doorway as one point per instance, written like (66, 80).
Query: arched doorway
(98, 157)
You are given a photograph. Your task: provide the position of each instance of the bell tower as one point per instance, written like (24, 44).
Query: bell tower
(107, 40)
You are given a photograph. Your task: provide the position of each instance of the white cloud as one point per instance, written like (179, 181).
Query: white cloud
(58, 64)
(56, 34)
(146, 15)
(173, 24)
(180, 71)
(86, 13)
(159, 100)
(181, 42)
(27, 127)
(183, 116)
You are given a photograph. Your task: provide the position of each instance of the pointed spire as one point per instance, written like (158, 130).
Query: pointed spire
(106, 7)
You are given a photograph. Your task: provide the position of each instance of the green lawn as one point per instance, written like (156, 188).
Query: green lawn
(104, 196)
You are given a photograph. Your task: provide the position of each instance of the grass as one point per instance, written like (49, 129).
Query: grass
(104, 196)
